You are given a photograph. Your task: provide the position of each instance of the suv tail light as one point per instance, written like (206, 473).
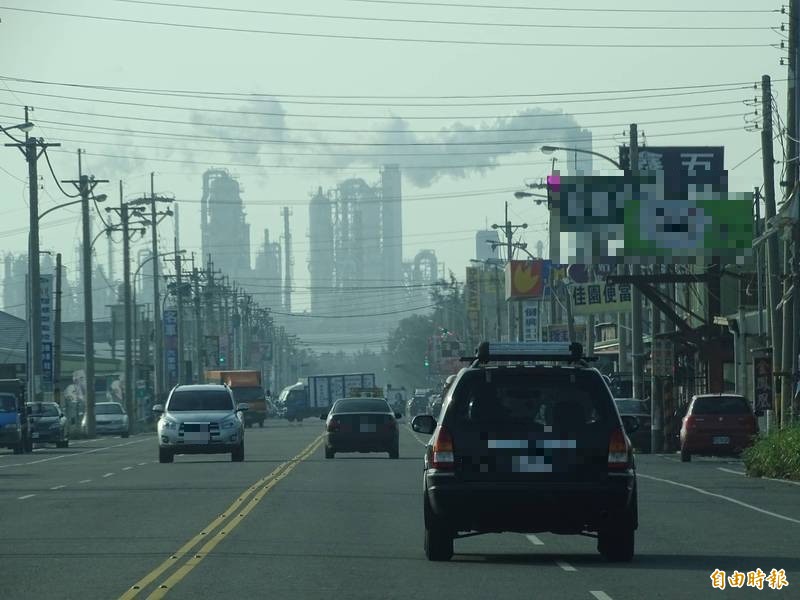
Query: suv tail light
(334, 425)
(690, 422)
(442, 449)
(618, 450)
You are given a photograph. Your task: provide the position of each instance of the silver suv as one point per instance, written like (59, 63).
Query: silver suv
(200, 419)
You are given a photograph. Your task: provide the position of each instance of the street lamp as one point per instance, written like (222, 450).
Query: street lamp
(98, 198)
(133, 287)
(540, 198)
(23, 127)
(551, 149)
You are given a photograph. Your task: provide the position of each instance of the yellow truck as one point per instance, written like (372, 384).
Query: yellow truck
(246, 387)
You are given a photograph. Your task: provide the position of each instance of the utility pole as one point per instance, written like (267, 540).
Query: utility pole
(198, 325)
(287, 278)
(86, 185)
(126, 300)
(158, 329)
(57, 336)
(124, 211)
(637, 343)
(179, 302)
(508, 230)
(791, 313)
(656, 398)
(773, 267)
(32, 148)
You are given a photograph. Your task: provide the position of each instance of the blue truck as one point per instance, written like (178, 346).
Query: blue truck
(317, 393)
(15, 430)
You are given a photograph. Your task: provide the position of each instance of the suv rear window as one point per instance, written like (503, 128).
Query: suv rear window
(200, 400)
(720, 405)
(538, 397)
(358, 406)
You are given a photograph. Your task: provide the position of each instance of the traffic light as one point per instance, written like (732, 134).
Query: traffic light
(221, 359)
(427, 362)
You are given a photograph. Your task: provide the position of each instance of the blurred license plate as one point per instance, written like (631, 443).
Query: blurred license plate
(196, 437)
(36, 435)
(721, 439)
(367, 427)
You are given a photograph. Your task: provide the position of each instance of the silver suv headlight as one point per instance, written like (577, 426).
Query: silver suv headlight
(167, 423)
(230, 422)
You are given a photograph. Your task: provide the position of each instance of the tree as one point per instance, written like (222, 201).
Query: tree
(407, 349)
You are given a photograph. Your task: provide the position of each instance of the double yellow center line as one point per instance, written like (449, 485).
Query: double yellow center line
(216, 531)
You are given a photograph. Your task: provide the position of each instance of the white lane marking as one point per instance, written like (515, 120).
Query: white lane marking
(414, 435)
(108, 475)
(60, 456)
(566, 566)
(85, 481)
(126, 468)
(601, 595)
(142, 464)
(58, 487)
(721, 497)
(534, 540)
(757, 478)
(26, 496)
(731, 471)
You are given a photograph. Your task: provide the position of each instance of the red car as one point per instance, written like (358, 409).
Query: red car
(717, 424)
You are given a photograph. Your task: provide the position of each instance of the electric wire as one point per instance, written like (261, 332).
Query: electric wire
(313, 35)
(55, 178)
(432, 21)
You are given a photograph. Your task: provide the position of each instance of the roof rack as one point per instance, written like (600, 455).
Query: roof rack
(528, 352)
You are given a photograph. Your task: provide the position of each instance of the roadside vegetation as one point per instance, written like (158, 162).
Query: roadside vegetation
(775, 455)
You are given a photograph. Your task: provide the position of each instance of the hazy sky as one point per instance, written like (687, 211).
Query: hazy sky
(543, 62)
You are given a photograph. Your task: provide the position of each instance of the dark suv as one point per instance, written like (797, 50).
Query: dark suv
(529, 448)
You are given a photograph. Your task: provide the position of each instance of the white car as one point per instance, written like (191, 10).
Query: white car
(200, 419)
(109, 418)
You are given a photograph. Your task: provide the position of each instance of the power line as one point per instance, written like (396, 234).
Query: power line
(565, 9)
(282, 97)
(436, 22)
(305, 35)
(539, 115)
(358, 316)
(519, 142)
(360, 131)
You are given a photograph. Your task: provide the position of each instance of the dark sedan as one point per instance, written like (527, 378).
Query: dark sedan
(48, 424)
(361, 425)
(639, 411)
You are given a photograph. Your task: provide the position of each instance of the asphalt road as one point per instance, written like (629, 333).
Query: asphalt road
(102, 519)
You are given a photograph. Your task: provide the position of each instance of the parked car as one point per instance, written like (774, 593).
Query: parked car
(200, 419)
(48, 424)
(361, 425)
(717, 424)
(110, 418)
(435, 405)
(417, 405)
(528, 448)
(639, 411)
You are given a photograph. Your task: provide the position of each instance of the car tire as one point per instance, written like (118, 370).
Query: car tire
(238, 454)
(329, 452)
(165, 456)
(28, 447)
(126, 434)
(438, 538)
(394, 453)
(686, 456)
(616, 543)
(18, 449)
(62, 444)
